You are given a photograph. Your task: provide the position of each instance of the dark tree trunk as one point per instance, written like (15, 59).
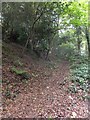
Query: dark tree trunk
(46, 55)
(79, 45)
(88, 41)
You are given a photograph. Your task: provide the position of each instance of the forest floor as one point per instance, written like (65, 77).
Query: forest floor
(45, 94)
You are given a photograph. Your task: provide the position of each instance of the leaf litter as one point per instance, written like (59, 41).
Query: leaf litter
(45, 94)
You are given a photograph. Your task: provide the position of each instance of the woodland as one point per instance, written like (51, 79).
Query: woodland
(45, 59)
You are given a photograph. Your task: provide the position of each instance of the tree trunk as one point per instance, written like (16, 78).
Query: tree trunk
(88, 41)
(30, 36)
(78, 30)
(79, 45)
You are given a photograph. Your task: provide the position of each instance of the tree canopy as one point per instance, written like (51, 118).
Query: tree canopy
(38, 25)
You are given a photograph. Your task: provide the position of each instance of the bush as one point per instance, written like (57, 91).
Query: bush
(79, 73)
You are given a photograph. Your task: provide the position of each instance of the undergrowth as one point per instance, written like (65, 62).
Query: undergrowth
(20, 72)
(79, 74)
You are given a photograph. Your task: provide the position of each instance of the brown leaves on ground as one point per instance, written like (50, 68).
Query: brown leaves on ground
(45, 94)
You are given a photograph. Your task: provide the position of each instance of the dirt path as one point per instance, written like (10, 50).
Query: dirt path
(47, 96)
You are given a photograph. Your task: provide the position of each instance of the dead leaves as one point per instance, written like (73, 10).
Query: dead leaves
(43, 95)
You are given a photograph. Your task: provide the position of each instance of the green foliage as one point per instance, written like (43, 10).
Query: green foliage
(78, 13)
(65, 50)
(46, 25)
(79, 73)
(22, 73)
(37, 21)
(17, 71)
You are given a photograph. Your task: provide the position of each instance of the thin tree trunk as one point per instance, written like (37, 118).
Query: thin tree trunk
(88, 41)
(30, 35)
(25, 46)
(79, 45)
(78, 29)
